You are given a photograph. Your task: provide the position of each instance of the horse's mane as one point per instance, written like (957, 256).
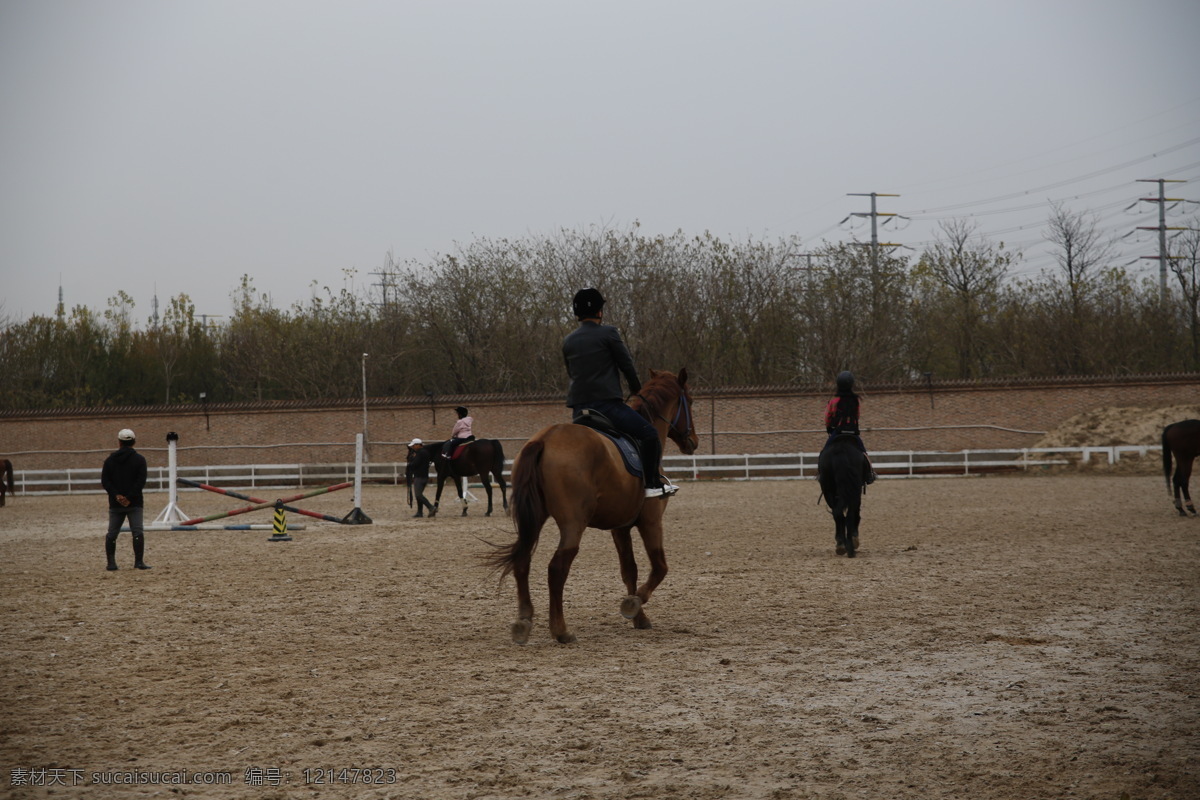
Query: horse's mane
(656, 394)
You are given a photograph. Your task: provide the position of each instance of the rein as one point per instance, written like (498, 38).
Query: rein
(682, 410)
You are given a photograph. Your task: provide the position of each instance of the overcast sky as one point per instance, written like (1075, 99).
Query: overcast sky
(172, 147)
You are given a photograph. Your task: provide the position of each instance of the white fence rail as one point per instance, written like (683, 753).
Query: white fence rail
(769, 466)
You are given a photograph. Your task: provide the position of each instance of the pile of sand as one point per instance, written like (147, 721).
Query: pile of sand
(1110, 425)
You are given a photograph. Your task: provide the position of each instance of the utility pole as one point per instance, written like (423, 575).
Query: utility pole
(808, 270)
(874, 215)
(1163, 257)
(387, 283)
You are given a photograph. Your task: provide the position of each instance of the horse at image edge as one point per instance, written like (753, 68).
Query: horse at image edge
(1182, 440)
(6, 479)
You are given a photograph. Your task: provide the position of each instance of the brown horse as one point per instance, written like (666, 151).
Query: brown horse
(1181, 439)
(577, 476)
(6, 479)
(482, 457)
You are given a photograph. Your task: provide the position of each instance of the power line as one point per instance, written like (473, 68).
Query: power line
(1066, 182)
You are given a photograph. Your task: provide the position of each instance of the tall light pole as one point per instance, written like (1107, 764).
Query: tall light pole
(366, 438)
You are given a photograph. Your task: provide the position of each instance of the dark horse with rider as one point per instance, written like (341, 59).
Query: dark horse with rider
(482, 457)
(843, 467)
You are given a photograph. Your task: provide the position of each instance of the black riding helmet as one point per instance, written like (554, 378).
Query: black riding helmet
(845, 382)
(461, 411)
(587, 302)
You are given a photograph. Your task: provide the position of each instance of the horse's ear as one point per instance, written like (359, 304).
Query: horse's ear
(683, 377)
(654, 373)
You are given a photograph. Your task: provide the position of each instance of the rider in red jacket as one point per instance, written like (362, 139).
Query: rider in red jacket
(841, 417)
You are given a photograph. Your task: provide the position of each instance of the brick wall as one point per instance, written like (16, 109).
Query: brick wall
(945, 416)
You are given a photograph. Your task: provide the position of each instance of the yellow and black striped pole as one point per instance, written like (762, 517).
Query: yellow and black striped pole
(281, 534)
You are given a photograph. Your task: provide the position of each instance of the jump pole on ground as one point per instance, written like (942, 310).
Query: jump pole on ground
(259, 503)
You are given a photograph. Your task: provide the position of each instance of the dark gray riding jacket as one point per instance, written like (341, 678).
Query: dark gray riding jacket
(596, 357)
(124, 473)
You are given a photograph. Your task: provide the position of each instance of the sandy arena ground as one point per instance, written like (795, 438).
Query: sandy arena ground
(1001, 637)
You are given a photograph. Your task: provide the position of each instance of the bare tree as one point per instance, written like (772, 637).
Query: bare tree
(971, 270)
(1185, 266)
(1082, 254)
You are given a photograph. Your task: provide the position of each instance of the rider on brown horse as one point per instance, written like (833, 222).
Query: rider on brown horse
(596, 357)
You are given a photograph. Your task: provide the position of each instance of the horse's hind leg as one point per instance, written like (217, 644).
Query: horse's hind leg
(487, 487)
(1185, 478)
(851, 534)
(523, 625)
(559, 569)
(1178, 490)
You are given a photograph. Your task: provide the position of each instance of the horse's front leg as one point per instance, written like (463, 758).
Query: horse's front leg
(631, 606)
(649, 525)
(559, 569)
(460, 484)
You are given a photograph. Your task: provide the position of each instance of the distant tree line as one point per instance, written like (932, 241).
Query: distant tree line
(490, 317)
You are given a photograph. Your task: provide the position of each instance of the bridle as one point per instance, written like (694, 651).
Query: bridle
(683, 410)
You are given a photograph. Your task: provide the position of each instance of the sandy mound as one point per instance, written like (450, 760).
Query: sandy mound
(1109, 425)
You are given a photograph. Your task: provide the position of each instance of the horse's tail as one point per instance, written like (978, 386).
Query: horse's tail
(8, 474)
(498, 461)
(527, 507)
(849, 473)
(1166, 455)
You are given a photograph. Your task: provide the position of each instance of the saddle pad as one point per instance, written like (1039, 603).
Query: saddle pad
(629, 452)
(458, 451)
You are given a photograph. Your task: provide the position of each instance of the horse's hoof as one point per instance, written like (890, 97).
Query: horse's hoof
(840, 550)
(631, 606)
(418, 514)
(851, 554)
(642, 623)
(565, 638)
(855, 542)
(487, 513)
(520, 631)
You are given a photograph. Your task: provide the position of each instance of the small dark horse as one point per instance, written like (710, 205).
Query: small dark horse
(1181, 439)
(6, 479)
(416, 475)
(576, 476)
(482, 457)
(841, 466)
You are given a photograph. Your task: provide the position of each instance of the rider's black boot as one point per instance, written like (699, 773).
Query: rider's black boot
(139, 549)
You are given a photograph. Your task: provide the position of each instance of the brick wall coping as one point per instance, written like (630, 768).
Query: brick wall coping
(917, 386)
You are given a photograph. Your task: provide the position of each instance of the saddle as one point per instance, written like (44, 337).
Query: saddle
(460, 449)
(626, 446)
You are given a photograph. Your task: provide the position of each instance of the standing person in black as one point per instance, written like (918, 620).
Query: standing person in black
(124, 478)
(596, 358)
